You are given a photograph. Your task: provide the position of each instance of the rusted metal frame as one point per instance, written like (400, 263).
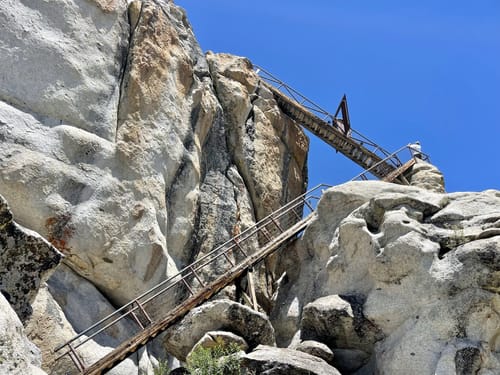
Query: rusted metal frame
(95, 325)
(187, 286)
(340, 141)
(140, 339)
(293, 92)
(309, 205)
(240, 248)
(346, 121)
(168, 287)
(102, 329)
(137, 320)
(316, 108)
(374, 166)
(399, 172)
(75, 357)
(195, 274)
(143, 311)
(266, 234)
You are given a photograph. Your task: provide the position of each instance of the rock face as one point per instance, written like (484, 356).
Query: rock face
(423, 267)
(26, 261)
(17, 354)
(131, 152)
(278, 361)
(339, 323)
(142, 158)
(426, 176)
(134, 154)
(128, 149)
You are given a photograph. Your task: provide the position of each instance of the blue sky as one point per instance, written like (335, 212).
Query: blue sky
(423, 70)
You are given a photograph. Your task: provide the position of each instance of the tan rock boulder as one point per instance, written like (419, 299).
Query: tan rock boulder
(426, 176)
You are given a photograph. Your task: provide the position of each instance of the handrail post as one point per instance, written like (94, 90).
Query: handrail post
(76, 358)
(143, 311)
(277, 224)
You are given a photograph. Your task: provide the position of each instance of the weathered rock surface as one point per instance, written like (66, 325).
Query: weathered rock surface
(18, 356)
(130, 162)
(26, 261)
(62, 61)
(252, 326)
(316, 349)
(427, 176)
(339, 323)
(279, 361)
(425, 264)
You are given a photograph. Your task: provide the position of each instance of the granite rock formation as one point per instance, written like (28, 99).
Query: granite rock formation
(26, 261)
(18, 355)
(398, 279)
(134, 153)
(128, 149)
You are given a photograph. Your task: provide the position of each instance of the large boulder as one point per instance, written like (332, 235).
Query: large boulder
(222, 315)
(17, 354)
(424, 266)
(279, 361)
(316, 349)
(26, 261)
(340, 323)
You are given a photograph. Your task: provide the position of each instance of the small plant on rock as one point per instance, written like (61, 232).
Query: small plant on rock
(217, 360)
(162, 368)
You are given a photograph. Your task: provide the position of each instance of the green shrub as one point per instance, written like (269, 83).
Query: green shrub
(218, 360)
(162, 368)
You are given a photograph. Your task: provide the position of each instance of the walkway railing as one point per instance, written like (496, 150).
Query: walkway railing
(394, 159)
(199, 274)
(320, 112)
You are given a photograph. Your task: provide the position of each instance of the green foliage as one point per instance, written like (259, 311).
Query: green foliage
(218, 360)
(162, 368)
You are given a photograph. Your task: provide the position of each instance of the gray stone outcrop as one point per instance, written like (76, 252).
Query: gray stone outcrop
(137, 154)
(26, 261)
(18, 356)
(339, 322)
(426, 176)
(279, 361)
(316, 349)
(49, 327)
(424, 266)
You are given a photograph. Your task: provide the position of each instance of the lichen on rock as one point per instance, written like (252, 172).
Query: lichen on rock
(26, 261)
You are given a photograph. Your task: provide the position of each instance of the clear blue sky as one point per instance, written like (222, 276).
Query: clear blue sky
(423, 70)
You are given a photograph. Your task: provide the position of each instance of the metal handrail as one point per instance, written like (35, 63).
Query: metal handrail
(391, 157)
(191, 270)
(320, 112)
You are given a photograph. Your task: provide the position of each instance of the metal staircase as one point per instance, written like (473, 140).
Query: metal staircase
(336, 131)
(233, 257)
